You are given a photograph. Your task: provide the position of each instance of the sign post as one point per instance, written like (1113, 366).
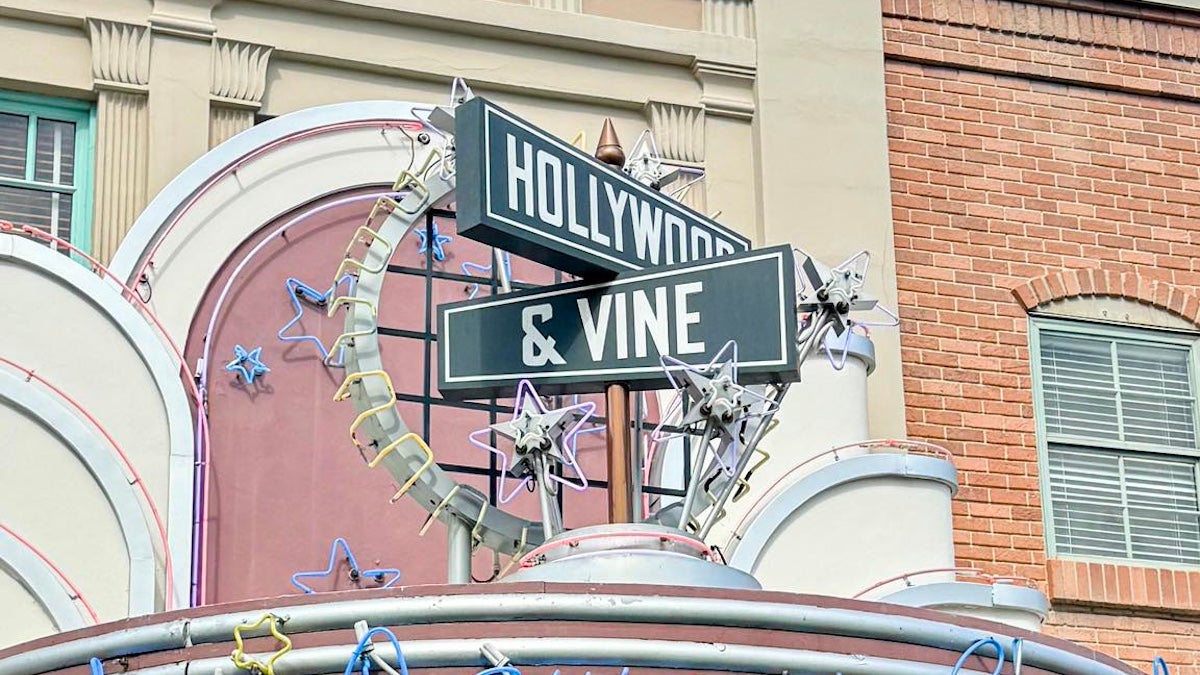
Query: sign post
(580, 337)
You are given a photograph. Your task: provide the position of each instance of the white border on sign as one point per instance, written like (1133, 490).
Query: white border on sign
(653, 195)
(784, 342)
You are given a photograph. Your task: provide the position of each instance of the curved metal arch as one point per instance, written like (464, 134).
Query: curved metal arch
(95, 455)
(174, 198)
(163, 369)
(41, 582)
(758, 534)
(432, 487)
(967, 594)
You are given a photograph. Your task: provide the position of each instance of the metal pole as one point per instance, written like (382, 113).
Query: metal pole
(458, 549)
(620, 479)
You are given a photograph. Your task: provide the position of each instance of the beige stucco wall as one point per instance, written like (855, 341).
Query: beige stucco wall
(782, 102)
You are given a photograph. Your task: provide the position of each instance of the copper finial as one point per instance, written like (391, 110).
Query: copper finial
(609, 149)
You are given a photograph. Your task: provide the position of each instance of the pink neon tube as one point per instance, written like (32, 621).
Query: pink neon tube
(50, 563)
(137, 478)
(189, 380)
(695, 544)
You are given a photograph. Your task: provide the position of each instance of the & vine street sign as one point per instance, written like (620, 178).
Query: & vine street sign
(579, 337)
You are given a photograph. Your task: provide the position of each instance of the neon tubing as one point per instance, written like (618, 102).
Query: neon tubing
(133, 473)
(572, 541)
(974, 647)
(232, 167)
(201, 435)
(50, 563)
(365, 646)
(200, 498)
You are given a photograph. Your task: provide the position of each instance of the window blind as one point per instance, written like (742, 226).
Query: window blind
(1114, 410)
(39, 189)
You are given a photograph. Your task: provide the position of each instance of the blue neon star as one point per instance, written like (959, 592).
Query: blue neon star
(247, 364)
(296, 290)
(439, 240)
(355, 573)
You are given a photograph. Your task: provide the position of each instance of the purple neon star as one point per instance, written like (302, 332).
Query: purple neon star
(531, 421)
(690, 382)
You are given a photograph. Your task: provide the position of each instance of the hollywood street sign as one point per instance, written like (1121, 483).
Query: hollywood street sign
(522, 190)
(578, 337)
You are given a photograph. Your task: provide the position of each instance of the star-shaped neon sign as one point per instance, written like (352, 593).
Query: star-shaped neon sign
(437, 244)
(535, 430)
(247, 364)
(717, 400)
(356, 574)
(298, 290)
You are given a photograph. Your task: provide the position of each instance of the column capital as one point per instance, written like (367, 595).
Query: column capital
(239, 73)
(678, 130)
(120, 55)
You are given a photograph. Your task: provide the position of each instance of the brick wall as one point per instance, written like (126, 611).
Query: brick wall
(1039, 150)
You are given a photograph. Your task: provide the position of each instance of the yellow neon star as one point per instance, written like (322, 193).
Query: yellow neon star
(244, 662)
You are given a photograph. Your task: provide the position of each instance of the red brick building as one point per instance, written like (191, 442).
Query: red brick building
(1040, 152)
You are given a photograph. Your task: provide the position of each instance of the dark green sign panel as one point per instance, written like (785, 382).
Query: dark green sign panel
(578, 337)
(524, 191)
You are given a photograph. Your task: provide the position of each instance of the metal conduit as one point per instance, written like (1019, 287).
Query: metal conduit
(598, 607)
(588, 652)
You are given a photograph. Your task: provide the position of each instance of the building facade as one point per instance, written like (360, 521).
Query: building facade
(1021, 174)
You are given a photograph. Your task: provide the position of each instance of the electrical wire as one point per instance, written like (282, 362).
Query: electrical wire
(366, 647)
(981, 642)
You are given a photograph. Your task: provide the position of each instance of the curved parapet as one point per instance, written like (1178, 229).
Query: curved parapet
(40, 580)
(70, 341)
(849, 522)
(186, 234)
(967, 592)
(542, 627)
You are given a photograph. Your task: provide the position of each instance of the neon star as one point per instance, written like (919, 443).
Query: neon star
(247, 364)
(538, 435)
(439, 241)
(298, 290)
(715, 399)
(355, 574)
(486, 269)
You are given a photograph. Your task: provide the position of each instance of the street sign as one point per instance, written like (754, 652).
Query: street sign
(581, 336)
(522, 190)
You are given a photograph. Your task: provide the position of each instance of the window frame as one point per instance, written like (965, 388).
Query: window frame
(83, 115)
(1092, 328)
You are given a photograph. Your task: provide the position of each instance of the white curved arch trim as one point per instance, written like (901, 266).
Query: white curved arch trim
(95, 454)
(162, 368)
(758, 533)
(41, 582)
(167, 205)
(967, 594)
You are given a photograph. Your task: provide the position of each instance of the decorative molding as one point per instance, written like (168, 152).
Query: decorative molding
(575, 6)
(1144, 29)
(1097, 282)
(120, 55)
(734, 18)
(122, 166)
(678, 130)
(728, 89)
(239, 72)
(225, 123)
(184, 18)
